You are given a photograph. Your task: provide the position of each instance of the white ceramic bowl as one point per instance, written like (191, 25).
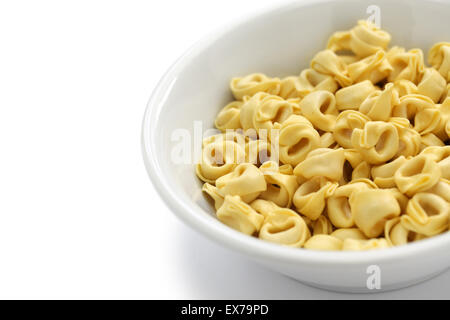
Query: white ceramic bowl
(281, 42)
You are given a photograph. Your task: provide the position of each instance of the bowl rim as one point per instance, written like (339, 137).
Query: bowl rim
(217, 231)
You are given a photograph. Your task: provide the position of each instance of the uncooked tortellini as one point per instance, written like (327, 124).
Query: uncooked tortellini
(377, 141)
(252, 84)
(350, 154)
(263, 110)
(238, 215)
(246, 181)
(310, 198)
(426, 214)
(363, 40)
(297, 138)
(439, 59)
(284, 226)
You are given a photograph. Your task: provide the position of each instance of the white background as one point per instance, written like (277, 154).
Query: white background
(78, 216)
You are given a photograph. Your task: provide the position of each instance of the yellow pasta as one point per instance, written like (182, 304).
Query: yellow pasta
(282, 225)
(322, 226)
(349, 233)
(308, 81)
(427, 214)
(404, 87)
(218, 159)
(396, 234)
(327, 62)
(322, 162)
(234, 136)
(442, 189)
(411, 106)
(417, 174)
(263, 110)
(378, 105)
(246, 181)
(297, 138)
(323, 242)
(371, 209)
(351, 97)
(363, 40)
(238, 215)
(377, 141)
(374, 68)
(327, 140)
(280, 185)
(310, 197)
(229, 116)
(401, 198)
(355, 167)
(351, 154)
(258, 151)
(346, 122)
(339, 208)
(383, 175)
(213, 192)
(429, 140)
(407, 65)
(439, 58)
(360, 245)
(409, 140)
(252, 84)
(440, 155)
(432, 84)
(319, 107)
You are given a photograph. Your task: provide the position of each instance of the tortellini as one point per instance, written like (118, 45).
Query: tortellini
(263, 110)
(432, 84)
(407, 65)
(346, 122)
(351, 97)
(339, 209)
(238, 215)
(310, 197)
(319, 107)
(351, 154)
(327, 62)
(218, 159)
(378, 105)
(396, 234)
(324, 242)
(377, 141)
(427, 214)
(348, 233)
(322, 226)
(441, 156)
(322, 162)
(371, 209)
(374, 68)
(281, 184)
(254, 83)
(229, 116)
(246, 181)
(361, 245)
(409, 140)
(417, 174)
(284, 226)
(296, 139)
(383, 175)
(309, 80)
(439, 59)
(363, 40)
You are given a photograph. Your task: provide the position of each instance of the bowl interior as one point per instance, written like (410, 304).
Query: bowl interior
(279, 43)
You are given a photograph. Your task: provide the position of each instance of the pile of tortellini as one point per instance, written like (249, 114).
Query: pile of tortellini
(363, 160)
